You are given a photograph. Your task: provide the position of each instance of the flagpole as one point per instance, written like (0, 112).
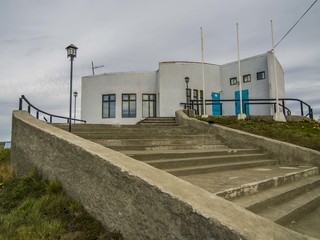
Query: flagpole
(241, 116)
(203, 81)
(278, 116)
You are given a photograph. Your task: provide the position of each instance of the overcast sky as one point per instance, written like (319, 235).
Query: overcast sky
(136, 35)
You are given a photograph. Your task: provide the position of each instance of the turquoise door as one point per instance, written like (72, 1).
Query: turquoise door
(216, 111)
(245, 97)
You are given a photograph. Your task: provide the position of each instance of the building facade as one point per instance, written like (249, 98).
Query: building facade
(129, 97)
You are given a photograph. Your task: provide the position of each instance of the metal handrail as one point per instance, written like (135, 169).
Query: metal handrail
(51, 116)
(196, 103)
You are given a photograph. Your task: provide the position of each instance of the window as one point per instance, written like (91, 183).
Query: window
(129, 105)
(261, 75)
(233, 81)
(149, 105)
(246, 78)
(109, 106)
(201, 94)
(188, 95)
(195, 94)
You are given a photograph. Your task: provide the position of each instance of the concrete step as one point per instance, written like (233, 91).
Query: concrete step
(144, 135)
(288, 202)
(258, 191)
(205, 160)
(174, 154)
(156, 142)
(167, 147)
(294, 209)
(219, 167)
(164, 121)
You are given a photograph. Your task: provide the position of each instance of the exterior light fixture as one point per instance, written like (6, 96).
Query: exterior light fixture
(71, 53)
(75, 94)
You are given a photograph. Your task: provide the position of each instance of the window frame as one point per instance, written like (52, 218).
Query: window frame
(109, 115)
(129, 101)
(261, 75)
(148, 101)
(195, 94)
(246, 78)
(233, 81)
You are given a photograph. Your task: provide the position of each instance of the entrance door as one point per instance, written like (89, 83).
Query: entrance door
(216, 110)
(245, 98)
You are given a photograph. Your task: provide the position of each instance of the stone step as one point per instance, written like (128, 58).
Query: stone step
(164, 121)
(143, 135)
(293, 209)
(205, 160)
(114, 127)
(173, 154)
(253, 193)
(167, 147)
(288, 202)
(219, 167)
(156, 142)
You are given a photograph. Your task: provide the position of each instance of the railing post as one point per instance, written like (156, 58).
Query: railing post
(37, 114)
(283, 107)
(50, 118)
(301, 107)
(20, 103)
(310, 112)
(29, 109)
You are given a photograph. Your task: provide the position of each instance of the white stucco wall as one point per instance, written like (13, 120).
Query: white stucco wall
(172, 85)
(168, 83)
(93, 87)
(258, 89)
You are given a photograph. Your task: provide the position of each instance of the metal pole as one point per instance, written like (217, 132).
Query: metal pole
(187, 97)
(203, 82)
(277, 116)
(70, 105)
(92, 68)
(241, 115)
(75, 109)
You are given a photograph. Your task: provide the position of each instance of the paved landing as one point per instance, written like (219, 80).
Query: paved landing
(219, 181)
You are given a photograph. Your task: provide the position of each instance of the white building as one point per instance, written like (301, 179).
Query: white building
(129, 97)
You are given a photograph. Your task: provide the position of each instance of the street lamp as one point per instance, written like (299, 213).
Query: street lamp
(72, 53)
(75, 94)
(187, 92)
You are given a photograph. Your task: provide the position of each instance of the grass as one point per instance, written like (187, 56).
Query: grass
(305, 133)
(32, 208)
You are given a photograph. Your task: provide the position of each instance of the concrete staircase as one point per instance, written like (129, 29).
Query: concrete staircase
(178, 150)
(284, 200)
(202, 158)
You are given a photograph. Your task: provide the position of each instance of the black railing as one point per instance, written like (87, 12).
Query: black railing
(38, 111)
(305, 109)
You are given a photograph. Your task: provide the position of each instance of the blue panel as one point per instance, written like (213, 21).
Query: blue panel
(216, 110)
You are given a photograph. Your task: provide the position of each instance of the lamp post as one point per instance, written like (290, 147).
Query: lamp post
(72, 53)
(75, 94)
(187, 92)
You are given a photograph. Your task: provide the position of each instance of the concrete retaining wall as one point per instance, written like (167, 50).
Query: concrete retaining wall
(130, 196)
(284, 152)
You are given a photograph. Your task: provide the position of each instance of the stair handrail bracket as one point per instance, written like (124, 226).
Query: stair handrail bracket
(30, 106)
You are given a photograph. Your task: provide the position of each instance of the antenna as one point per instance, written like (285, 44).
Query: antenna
(94, 67)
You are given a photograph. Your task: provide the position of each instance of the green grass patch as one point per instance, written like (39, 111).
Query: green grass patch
(305, 133)
(33, 208)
